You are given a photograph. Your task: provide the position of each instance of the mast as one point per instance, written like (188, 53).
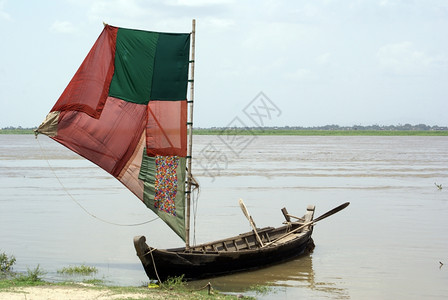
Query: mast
(190, 137)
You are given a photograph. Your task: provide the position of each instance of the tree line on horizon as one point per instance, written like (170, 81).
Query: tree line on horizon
(401, 127)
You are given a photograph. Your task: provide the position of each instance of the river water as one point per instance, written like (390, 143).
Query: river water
(56, 210)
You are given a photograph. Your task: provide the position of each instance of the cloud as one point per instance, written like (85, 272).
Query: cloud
(4, 15)
(63, 27)
(301, 74)
(219, 23)
(124, 8)
(157, 15)
(387, 3)
(323, 59)
(198, 2)
(405, 59)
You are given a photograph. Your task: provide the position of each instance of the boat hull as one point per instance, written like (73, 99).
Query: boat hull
(196, 265)
(235, 254)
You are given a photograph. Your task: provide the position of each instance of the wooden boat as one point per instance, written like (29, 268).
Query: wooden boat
(126, 110)
(239, 253)
(251, 250)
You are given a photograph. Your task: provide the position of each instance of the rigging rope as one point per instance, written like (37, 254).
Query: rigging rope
(195, 199)
(79, 204)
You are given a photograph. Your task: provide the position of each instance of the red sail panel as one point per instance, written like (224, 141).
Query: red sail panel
(108, 141)
(89, 88)
(166, 131)
(130, 172)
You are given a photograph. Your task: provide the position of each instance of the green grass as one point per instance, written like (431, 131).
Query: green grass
(78, 270)
(174, 283)
(93, 281)
(261, 289)
(6, 262)
(33, 277)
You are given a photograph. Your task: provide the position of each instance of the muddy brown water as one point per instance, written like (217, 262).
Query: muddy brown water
(56, 210)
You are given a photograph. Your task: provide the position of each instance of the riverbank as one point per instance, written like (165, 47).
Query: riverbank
(31, 285)
(83, 291)
(74, 292)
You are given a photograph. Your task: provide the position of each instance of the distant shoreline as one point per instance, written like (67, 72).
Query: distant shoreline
(286, 132)
(323, 132)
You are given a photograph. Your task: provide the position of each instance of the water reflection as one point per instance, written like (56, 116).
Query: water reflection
(297, 274)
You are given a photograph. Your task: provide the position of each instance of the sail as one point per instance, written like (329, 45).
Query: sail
(125, 110)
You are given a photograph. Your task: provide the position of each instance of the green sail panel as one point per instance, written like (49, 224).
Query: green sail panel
(164, 189)
(170, 78)
(150, 66)
(135, 52)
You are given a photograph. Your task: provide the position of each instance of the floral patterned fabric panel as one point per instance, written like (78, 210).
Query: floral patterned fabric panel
(166, 183)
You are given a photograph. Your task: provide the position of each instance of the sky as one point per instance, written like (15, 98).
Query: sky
(306, 63)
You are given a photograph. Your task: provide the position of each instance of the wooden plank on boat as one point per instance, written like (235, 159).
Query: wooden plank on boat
(285, 239)
(286, 215)
(309, 214)
(267, 237)
(236, 246)
(292, 216)
(251, 221)
(247, 243)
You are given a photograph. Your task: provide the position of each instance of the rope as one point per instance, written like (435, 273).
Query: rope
(208, 285)
(79, 204)
(154, 264)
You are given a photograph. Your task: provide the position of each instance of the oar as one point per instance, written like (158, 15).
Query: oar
(251, 221)
(325, 215)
